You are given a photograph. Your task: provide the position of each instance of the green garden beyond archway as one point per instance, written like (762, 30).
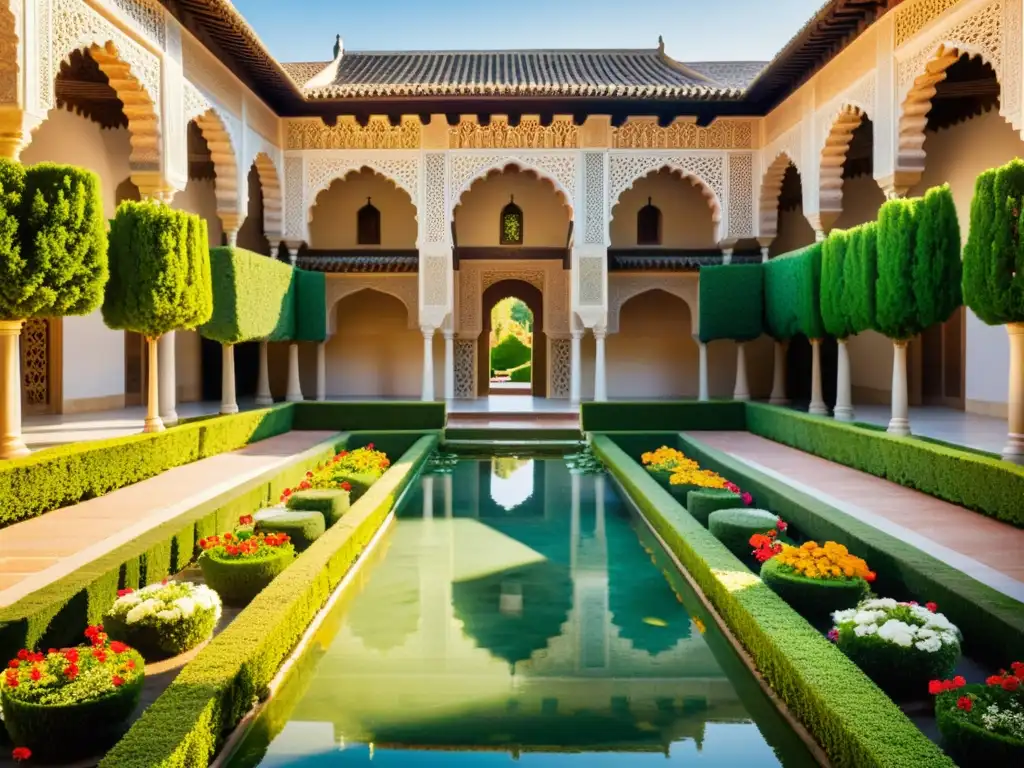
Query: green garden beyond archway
(510, 345)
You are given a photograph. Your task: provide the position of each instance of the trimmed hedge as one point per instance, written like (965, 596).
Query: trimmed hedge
(239, 580)
(700, 504)
(185, 725)
(68, 474)
(253, 298)
(734, 527)
(510, 353)
(834, 307)
(640, 416)
(781, 279)
(332, 504)
(987, 485)
(310, 306)
(302, 526)
(856, 724)
(395, 416)
(522, 375)
(731, 302)
(992, 623)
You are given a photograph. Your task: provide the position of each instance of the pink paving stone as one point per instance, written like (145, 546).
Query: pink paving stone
(39, 551)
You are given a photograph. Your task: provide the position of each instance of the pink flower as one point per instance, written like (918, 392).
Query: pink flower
(781, 525)
(747, 498)
(833, 634)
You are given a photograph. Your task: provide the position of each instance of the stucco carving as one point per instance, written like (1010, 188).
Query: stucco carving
(465, 368)
(1013, 66)
(403, 169)
(645, 133)
(270, 184)
(225, 163)
(838, 132)
(591, 281)
(707, 169)
(741, 194)
(557, 167)
(913, 16)
(293, 228)
(474, 277)
(195, 102)
(435, 279)
(562, 133)
(596, 203)
(10, 23)
(470, 295)
(556, 301)
(436, 220)
(147, 16)
(768, 202)
(305, 133)
(622, 288)
(561, 368)
(402, 287)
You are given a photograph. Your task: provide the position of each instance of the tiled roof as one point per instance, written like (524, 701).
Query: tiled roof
(638, 74)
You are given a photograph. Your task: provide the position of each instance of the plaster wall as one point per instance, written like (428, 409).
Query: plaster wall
(685, 214)
(545, 216)
(653, 354)
(333, 223)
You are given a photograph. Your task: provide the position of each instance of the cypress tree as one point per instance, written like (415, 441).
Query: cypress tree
(860, 272)
(834, 254)
(895, 306)
(808, 299)
(937, 268)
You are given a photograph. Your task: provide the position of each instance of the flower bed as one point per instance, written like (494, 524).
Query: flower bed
(983, 724)
(735, 527)
(815, 580)
(681, 475)
(901, 646)
(72, 703)
(239, 566)
(301, 527)
(164, 619)
(353, 471)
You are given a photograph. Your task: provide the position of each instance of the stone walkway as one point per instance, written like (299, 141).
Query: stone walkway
(39, 551)
(985, 549)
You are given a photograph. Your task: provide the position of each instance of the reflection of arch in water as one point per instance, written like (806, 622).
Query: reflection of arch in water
(511, 481)
(490, 497)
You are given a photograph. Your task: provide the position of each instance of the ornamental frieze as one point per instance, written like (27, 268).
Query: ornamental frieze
(562, 133)
(684, 134)
(378, 133)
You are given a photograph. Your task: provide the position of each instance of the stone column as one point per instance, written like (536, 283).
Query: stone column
(742, 390)
(294, 392)
(844, 388)
(1014, 449)
(321, 372)
(231, 236)
(428, 364)
(292, 247)
(11, 444)
(764, 253)
(600, 380)
(778, 396)
(449, 365)
(727, 255)
(575, 363)
(899, 422)
(703, 371)
(168, 380)
(817, 398)
(228, 404)
(153, 422)
(263, 395)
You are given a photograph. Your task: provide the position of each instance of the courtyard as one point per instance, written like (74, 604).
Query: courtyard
(570, 406)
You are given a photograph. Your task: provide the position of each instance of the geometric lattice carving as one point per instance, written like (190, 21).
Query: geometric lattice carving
(348, 134)
(562, 133)
(148, 17)
(1013, 66)
(645, 133)
(465, 368)
(403, 171)
(434, 271)
(293, 197)
(470, 296)
(10, 27)
(561, 367)
(911, 17)
(557, 167)
(593, 170)
(195, 102)
(436, 213)
(741, 192)
(35, 361)
(591, 281)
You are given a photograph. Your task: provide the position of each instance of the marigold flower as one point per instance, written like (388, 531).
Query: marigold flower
(966, 703)
(21, 754)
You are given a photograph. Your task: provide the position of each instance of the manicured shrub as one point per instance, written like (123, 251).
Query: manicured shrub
(332, 504)
(734, 527)
(162, 620)
(781, 284)
(510, 352)
(253, 297)
(814, 598)
(937, 267)
(80, 703)
(731, 302)
(898, 645)
(982, 724)
(860, 272)
(521, 375)
(808, 296)
(239, 569)
(702, 502)
(12, 189)
(835, 252)
(895, 308)
(301, 526)
(310, 306)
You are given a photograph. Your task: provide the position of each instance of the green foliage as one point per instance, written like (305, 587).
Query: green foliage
(781, 282)
(808, 296)
(253, 297)
(521, 314)
(158, 638)
(702, 502)
(734, 527)
(508, 353)
(896, 314)
(55, 257)
(937, 268)
(353, 416)
(649, 416)
(186, 724)
(67, 474)
(303, 527)
(835, 252)
(731, 302)
(993, 265)
(331, 504)
(239, 580)
(310, 306)
(855, 723)
(813, 598)
(159, 270)
(966, 738)
(522, 375)
(860, 272)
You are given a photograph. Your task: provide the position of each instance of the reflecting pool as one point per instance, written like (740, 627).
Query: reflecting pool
(515, 610)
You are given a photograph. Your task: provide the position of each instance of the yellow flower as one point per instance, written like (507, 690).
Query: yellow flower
(832, 560)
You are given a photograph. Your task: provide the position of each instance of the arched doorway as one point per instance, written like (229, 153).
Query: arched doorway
(532, 296)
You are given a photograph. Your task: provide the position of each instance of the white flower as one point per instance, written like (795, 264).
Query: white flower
(842, 616)
(127, 601)
(868, 617)
(939, 621)
(949, 638)
(186, 605)
(172, 614)
(931, 645)
(865, 629)
(142, 610)
(897, 632)
(879, 603)
(924, 633)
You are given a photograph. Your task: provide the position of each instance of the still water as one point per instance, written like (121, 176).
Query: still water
(516, 611)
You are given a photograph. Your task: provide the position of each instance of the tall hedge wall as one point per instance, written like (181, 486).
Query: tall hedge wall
(731, 302)
(253, 297)
(808, 298)
(860, 271)
(937, 267)
(993, 263)
(896, 313)
(310, 306)
(834, 315)
(780, 287)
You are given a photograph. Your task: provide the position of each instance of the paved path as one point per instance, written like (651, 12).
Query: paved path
(985, 549)
(39, 551)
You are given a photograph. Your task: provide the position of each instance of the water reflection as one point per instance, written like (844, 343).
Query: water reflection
(511, 481)
(542, 628)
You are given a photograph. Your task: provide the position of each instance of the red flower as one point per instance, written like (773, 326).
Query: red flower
(965, 703)
(994, 680)
(20, 754)
(959, 682)
(130, 664)
(341, 454)
(935, 687)
(91, 632)
(1011, 683)
(286, 492)
(781, 525)
(129, 590)
(35, 674)
(71, 671)
(118, 647)
(13, 663)
(871, 576)
(100, 655)
(163, 582)
(346, 485)
(1018, 669)
(934, 608)
(309, 475)
(23, 654)
(833, 634)
(245, 520)
(304, 485)
(730, 486)
(369, 447)
(71, 654)
(117, 681)
(12, 681)
(228, 537)
(747, 498)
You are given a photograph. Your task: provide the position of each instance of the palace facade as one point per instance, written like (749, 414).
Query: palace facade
(592, 184)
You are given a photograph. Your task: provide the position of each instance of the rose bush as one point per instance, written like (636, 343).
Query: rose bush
(238, 566)
(71, 703)
(164, 619)
(901, 646)
(983, 724)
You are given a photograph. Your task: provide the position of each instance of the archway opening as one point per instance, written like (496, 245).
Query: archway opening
(362, 210)
(665, 209)
(512, 353)
(651, 351)
(510, 345)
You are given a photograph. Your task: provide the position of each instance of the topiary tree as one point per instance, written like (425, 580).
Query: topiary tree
(938, 271)
(53, 262)
(860, 273)
(731, 306)
(781, 322)
(160, 279)
(993, 277)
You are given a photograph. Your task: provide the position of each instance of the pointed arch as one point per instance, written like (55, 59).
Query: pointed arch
(270, 184)
(487, 169)
(225, 164)
(771, 187)
(676, 169)
(405, 288)
(833, 156)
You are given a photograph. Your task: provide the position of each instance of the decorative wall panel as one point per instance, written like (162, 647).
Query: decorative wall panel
(707, 168)
(741, 192)
(684, 134)
(35, 361)
(378, 133)
(402, 168)
(561, 368)
(436, 213)
(596, 203)
(562, 133)
(557, 167)
(465, 368)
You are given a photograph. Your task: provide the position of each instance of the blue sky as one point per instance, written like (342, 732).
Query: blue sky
(694, 30)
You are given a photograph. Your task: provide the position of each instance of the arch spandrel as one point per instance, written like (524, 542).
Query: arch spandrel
(771, 188)
(622, 288)
(558, 169)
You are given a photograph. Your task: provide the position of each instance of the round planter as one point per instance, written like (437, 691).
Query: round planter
(163, 642)
(813, 598)
(303, 527)
(69, 732)
(332, 504)
(969, 743)
(903, 673)
(239, 580)
(734, 527)
(701, 503)
(678, 492)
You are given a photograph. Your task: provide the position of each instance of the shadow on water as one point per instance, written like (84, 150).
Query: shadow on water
(515, 609)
